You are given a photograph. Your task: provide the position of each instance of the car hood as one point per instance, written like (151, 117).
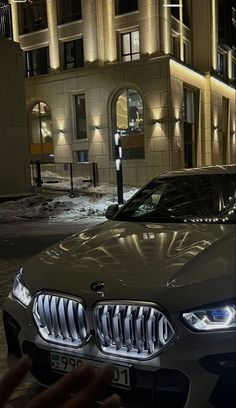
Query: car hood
(178, 266)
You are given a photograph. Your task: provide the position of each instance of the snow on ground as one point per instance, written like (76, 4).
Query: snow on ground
(56, 206)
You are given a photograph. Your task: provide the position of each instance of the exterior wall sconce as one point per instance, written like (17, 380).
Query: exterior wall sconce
(157, 121)
(62, 131)
(216, 129)
(97, 127)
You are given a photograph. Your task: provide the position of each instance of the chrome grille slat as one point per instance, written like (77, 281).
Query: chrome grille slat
(132, 330)
(60, 320)
(54, 314)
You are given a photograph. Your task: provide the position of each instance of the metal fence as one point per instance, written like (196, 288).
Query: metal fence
(63, 176)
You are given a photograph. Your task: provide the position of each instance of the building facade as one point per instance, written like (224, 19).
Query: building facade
(162, 76)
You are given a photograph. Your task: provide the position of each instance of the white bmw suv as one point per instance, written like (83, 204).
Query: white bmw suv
(152, 290)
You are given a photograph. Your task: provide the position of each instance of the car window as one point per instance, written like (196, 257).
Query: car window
(203, 198)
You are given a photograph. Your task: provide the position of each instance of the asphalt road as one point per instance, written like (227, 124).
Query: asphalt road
(18, 242)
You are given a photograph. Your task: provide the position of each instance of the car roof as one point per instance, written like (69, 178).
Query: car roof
(219, 169)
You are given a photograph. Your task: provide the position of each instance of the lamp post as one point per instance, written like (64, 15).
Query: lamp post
(119, 174)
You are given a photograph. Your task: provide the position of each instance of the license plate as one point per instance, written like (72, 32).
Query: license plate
(65, 363)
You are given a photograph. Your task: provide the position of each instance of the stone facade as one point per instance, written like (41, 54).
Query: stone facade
(14, 150)
(160, 77)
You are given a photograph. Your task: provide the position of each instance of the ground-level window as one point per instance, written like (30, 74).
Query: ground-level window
(80, 116)
(128, 120)
(74, 54)
(190, 127)
(82, 156)
(40, 132)
(130, 47)
(37, 62)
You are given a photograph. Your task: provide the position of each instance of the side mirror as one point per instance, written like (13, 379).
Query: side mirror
(111, 210)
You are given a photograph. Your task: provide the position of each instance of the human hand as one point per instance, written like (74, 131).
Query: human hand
(78, 389)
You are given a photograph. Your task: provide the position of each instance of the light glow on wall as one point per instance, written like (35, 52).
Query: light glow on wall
(149, 41)
(181, 30)
(166, 28)
(230, 68)
(110, 38)
(186, 74)
(223, 89)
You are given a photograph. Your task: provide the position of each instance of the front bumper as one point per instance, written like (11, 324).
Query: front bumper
(195, 371)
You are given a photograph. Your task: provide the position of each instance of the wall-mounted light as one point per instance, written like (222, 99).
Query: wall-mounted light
(158, 121)
(97, 127)
(234, 133)
(216, 129)
(177, 120)
(62, 131)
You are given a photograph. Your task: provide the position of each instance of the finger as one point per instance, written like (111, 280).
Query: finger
(12, 378)
(90, 394)
(60, 392)
(111, 402)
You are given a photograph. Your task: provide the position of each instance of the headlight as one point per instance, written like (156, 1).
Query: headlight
(20, 292)
(215, 318)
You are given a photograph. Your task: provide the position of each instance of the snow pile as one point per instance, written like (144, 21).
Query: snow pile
(58, 207)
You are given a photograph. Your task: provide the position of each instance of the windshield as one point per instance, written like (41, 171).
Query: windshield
(195, 198)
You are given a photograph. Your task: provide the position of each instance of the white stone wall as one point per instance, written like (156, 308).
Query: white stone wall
(14, 149)
(100, 85)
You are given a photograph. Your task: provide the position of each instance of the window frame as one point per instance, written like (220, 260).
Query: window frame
(127, 130)
(130, 54)
(77, 131)
(70, 16)
(77, 62)
(175, 37)
(222, 72)
(30, 71)
(194, 125)
(26, 23)
(77, 154)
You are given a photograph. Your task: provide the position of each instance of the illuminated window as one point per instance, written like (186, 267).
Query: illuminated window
(69, 10)
(74, 54)
(40, 131)
(130, 46)
(80, 115)
(37, 62)
(32, 15)
(124, 6)
(128, 120)
(82, 156)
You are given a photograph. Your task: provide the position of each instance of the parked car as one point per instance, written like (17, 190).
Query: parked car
(152, 290)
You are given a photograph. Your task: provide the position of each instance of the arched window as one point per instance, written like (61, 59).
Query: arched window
(128, 120)
(40, 132)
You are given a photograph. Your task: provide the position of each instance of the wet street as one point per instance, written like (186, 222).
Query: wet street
(18, 242)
